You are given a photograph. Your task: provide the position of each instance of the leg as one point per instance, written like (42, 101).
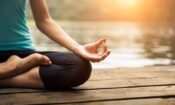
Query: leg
(30, 79)
(67, 70)
(16, 65)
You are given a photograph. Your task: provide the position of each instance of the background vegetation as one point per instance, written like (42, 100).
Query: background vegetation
(111, 10)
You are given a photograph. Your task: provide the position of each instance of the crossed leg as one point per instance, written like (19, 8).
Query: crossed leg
(16, 71)
(29, 79)
(66, 70)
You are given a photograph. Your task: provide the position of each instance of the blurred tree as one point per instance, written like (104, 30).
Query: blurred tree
(145, 10)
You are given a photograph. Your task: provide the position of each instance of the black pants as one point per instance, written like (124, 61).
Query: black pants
(67, 70)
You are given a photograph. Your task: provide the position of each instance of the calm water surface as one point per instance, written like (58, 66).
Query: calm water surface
(132, 44)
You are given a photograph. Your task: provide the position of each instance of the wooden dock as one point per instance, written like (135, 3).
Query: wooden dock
(139, 86)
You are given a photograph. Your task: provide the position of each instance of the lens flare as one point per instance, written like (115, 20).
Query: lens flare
(127, 3)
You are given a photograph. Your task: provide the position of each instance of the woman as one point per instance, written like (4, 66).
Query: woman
(44, 70)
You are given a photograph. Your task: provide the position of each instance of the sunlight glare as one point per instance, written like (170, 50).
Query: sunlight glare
(127, 3)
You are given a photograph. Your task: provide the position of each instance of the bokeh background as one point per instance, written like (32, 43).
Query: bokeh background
(140, 32)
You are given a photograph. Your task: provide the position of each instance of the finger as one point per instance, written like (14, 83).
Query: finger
(105, 55)
(94, 59)
(98, 58)
(100, 42)
(105, 49)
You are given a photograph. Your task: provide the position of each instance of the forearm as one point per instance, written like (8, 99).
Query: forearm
(57, 34)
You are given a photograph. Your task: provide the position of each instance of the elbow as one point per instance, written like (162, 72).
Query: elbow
(40, 24)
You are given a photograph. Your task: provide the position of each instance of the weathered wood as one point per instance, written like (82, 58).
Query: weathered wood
(153, 68)
(88, 85)
(148, 72)
(154, 81)
(156, 101)
(171, 101)
(18, 90)
(89, 95)
(106, 84)
(120, 83)
(137, 86)
(126, 83)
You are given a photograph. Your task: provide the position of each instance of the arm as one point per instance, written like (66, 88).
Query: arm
(49, 27)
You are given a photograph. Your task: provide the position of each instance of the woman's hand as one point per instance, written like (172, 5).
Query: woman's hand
(91, 51)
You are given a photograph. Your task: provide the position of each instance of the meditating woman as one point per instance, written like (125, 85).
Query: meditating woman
(23, 66)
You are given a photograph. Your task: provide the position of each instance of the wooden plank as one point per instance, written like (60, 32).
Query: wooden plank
(106, 84)
(120, 77)
(18, 90)
(88, 85)
(123, 83)
(156, 101)
(88, 95)
(171, 101)
(155, 68)
(101, 80)
(119, 83)
(154, 81)
(129, 73)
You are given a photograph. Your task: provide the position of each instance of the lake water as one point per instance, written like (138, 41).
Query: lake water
(132, 44)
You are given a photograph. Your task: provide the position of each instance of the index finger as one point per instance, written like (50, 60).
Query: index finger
(104, 48)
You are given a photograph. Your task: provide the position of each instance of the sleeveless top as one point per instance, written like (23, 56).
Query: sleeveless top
(14, 32)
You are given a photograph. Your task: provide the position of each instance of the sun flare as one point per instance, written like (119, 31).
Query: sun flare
(127, 3)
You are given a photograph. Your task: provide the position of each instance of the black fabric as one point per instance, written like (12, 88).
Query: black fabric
(67, 69)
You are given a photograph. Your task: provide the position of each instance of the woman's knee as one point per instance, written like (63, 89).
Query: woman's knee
(72, 72)
(81, 71)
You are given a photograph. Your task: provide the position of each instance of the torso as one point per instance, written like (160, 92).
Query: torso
(14, 33)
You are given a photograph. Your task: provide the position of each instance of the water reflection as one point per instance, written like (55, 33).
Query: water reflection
(133, 45)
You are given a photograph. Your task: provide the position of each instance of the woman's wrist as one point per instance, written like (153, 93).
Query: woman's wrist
(77, 49)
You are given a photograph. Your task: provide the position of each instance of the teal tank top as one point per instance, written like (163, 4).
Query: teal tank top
(14, 32)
